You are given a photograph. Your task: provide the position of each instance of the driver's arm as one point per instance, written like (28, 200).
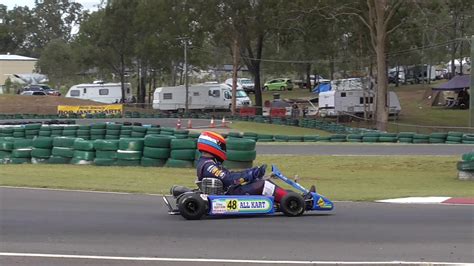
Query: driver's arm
(227, 177)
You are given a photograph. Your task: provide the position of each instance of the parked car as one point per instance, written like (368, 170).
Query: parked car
(41, 87)
(34, 93)
(243, 84)
(278, 84)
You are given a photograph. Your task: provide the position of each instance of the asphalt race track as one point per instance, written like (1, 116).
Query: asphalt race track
(126, 225)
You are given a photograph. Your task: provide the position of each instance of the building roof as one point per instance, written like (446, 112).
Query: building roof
(12, 57)
(456, 83)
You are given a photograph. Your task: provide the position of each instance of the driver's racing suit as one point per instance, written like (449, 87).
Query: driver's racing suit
(238, 183)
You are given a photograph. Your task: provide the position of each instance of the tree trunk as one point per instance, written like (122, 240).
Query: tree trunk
(381, 109)
(122, 77)
(143, 78)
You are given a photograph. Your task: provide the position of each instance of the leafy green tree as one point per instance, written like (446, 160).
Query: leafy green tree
(58, 62)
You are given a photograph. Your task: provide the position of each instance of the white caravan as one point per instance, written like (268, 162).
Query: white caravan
(333, 103)
(200, 97)
(101, 92)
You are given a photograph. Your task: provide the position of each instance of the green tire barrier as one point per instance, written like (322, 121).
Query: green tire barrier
(21, 153)
(112, 132)
(241, 156)
(32, 126)
(121, 162)
(455, 134)
(22, 143)
(129, 155)
(104, 162)
(113, 127)
(43, 142)
(79, 161)
(264, 136)
(59, 160)
(101, 154)
(371, 139)
(94, 137)
(131, 144)
(465, 166)
(137, 134)
(111, 137)
(40, 153)
(35, 160)
(438, 135)
(183, 154)
(83, 132)
(63, 152)
(237, 165)
(44, 133)
(19, 160)
(156, 153)
(436, 140)
(234, 135)
(241, 144)
(181, 144)
(468, 156)
(139, 129)
(106, 145)
(455, 139)
(354, 136)
(6, 145)
(468, 137)
(63, 142)
(98, 126)
(405, 140)
(153, 130)
(84, 155)
(295, 138)
(324, 139)
(150, 162)
(83, 145)
(420, 141)
(467, 142)
(388, 139)
(174, 163)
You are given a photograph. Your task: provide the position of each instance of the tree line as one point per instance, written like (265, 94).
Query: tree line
(145, 39)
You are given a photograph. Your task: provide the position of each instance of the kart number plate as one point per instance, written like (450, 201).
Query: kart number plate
(242, 205)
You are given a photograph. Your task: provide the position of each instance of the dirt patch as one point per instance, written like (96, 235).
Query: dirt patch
(22, 104)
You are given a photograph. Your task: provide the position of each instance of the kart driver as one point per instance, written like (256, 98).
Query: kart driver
(213, 153)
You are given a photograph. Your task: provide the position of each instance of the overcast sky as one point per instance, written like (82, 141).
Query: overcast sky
(87, 4)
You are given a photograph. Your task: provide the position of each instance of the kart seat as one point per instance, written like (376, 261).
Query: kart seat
(178, 190)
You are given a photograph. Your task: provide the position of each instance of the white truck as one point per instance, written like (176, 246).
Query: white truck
(200, 97)
(101, 92)
(333, 103)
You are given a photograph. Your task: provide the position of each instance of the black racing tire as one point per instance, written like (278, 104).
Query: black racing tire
(292, 204)
(191, 206)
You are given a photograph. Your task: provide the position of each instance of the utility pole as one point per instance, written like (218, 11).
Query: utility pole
(471, 90)
(186, 75)
(234, 75)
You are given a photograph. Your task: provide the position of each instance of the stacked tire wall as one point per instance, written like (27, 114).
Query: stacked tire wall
(466, 166)
(240, 153)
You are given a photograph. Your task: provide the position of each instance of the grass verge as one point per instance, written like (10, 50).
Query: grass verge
(357, 178)
(274, 129)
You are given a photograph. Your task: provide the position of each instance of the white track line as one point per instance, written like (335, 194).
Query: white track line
(64, 256)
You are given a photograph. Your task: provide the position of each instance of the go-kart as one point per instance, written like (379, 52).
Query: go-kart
(211, 199)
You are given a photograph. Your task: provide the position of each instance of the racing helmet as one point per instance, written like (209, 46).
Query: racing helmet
(212, 143)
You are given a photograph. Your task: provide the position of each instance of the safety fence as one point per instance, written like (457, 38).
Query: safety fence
(111, 144)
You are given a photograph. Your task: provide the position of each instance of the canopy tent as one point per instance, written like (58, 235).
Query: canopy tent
(457, 83)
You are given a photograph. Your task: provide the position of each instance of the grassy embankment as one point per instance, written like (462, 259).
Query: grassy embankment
(359, 178)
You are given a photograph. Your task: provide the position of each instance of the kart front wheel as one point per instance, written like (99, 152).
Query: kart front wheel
(292, 204)
(191, 206)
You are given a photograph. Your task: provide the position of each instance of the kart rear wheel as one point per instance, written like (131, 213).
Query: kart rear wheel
(191, 206)
(292, 204)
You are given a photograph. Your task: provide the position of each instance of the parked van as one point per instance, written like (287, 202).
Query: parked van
(333, 103)
(243, 84)
(101, 92)
(200, 97)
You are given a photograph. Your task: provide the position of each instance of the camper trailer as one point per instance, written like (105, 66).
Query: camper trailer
(333, 103)
(101, 92)
(200, 97)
